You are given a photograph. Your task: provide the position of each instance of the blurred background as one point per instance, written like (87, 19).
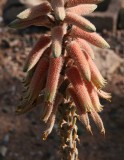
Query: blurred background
(20, 136)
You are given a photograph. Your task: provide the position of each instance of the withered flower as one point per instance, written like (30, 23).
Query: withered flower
(61, 72)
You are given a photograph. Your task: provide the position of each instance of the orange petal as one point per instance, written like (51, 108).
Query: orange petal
(79, 22)
(93, 38)
(82, 9)
(80, 88)
(75, 52)
(37, 52)
(35, 11)
(86, 47)
(59, 9)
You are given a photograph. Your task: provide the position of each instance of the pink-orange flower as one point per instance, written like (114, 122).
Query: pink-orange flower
(79, 21)
(76, 2)
(34, 12)
(82, 9)
(93, 38)
(80, 88)
(52, 84)
(86, 47)
(37, 52)
(75, 52)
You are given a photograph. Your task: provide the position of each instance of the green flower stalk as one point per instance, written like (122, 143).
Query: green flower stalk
(62, 77)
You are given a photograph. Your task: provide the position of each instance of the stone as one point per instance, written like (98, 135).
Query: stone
(107, 61)
(106, 16)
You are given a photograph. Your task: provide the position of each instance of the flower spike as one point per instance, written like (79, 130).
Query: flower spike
(61, 74)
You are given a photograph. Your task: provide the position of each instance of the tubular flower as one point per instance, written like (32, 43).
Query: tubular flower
(35, 11)
(62, 60)
(86, 47)
(96, 76)
(52, 84)
(59, 9)
(37, 52)
(93, 38)
(94, 96)
(80, 88)
(75, 52)
(79, 21)
(82, 9)
(57, 37)
(76, 2)
(83, 117)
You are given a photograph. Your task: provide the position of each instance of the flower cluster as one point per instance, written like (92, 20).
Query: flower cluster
(63, 56)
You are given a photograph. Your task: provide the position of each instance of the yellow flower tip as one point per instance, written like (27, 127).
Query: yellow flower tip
(59, 9)
(107, 46)
(89, 129)
(14, 24)
(103, 131)
(44, 136)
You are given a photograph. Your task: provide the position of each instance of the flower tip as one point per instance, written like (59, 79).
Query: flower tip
(91, 28)
(88, 77)
(14, 23)
(44, 136)
(89, 129)
(94, 6)
(102, 132)
(106, 45)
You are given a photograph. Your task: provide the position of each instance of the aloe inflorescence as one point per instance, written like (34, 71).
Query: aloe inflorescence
(61, 73)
